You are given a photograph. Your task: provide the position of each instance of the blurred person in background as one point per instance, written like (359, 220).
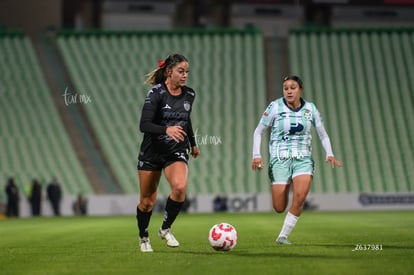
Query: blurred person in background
(168, 137)
(290, 119)
(35, 197)
(13, 198)
(54, 195)
(220, 204)
(80, 205)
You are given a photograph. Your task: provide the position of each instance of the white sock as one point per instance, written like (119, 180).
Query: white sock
(288, 224)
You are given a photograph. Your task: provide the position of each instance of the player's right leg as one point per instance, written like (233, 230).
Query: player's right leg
(148, 183)
(280, 198)
(279, 174)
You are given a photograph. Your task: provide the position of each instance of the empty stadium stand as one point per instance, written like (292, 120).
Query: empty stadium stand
(33, 140)
(362, 82)
(227, 72)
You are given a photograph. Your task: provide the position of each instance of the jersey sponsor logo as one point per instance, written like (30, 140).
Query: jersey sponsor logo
(295, 128)
(166, 106)
(175, 115)
(282, 114)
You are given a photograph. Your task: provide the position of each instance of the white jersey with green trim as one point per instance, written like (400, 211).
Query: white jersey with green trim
(291, 129)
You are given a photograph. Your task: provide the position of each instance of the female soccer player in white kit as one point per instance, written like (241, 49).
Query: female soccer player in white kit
(290, 119)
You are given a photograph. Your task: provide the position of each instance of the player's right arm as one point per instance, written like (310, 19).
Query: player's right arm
(265, 122)
(148, 114)
(257, 162)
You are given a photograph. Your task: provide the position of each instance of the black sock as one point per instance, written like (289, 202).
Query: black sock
(143, 219)
(172, 208)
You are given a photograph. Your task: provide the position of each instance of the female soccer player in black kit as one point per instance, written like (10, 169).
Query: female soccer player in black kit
(168, 136)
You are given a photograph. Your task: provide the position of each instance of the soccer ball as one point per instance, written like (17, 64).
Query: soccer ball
(223, 237)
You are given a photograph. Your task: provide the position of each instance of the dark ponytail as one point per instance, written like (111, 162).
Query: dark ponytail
(159, 75)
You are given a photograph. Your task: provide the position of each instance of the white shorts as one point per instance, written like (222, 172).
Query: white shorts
(281, 171)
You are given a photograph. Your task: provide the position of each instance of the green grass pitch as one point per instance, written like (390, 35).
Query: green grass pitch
(377, 242)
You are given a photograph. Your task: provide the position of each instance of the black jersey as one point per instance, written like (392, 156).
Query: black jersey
(161, 110)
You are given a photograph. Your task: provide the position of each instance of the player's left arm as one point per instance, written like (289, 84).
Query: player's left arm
(325, 140)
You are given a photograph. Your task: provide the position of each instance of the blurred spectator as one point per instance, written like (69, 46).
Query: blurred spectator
(80, 206)
(309, 205)
(35, 197)
(186, 205)
(13, 197)
(54, 195)
(220, 204)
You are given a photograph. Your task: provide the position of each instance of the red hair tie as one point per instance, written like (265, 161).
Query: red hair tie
(161, 63)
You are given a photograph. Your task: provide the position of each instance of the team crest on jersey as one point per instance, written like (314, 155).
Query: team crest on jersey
(187, 106)
(307, 114)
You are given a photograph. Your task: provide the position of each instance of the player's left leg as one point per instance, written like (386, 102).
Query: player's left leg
(301, 186)
(176, 174)
(302, 173)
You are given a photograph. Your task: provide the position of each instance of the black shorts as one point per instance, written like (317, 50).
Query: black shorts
(152, 160)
